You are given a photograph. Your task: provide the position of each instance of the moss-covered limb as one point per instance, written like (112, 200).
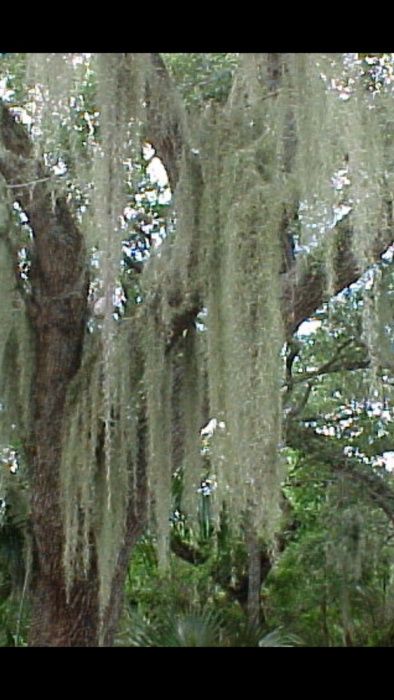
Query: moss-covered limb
(305, 287)
(165, 126)
(322, 447)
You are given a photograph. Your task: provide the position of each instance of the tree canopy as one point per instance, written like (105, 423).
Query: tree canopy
(156, 371)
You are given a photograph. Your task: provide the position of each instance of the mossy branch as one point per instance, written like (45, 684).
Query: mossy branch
(305, 287)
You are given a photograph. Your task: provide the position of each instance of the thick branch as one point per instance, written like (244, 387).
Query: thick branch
(304, 287)
(337, 363)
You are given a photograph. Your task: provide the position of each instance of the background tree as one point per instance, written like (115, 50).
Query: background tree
(280, 169)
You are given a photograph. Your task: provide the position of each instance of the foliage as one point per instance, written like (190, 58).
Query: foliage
(14, 609)
(202, 77)
(186, 608)
(277, 171)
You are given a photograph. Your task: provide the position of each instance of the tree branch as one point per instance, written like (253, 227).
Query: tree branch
(337, 363)
(331, 368)
(304, 287)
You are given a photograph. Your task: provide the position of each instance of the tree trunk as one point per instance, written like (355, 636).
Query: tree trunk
(54, 622)
(58, 316)
(57, 311)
